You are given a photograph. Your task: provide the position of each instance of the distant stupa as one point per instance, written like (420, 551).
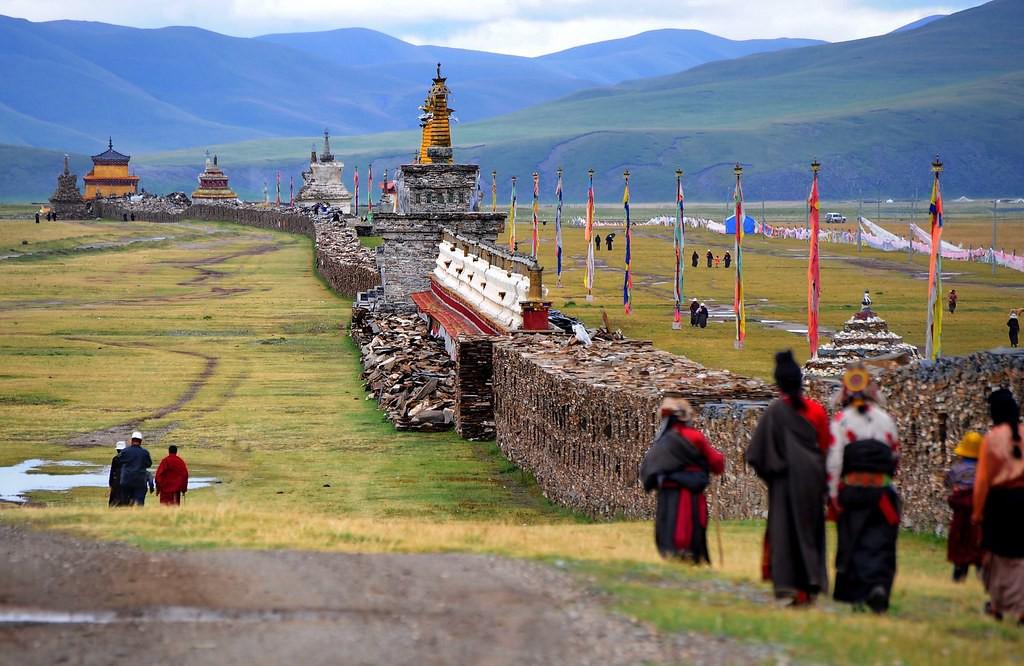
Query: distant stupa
(213, 184)
(322, 182)
(67, 199)
(865, 336)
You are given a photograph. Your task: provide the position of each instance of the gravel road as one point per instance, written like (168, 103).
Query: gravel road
(70, 601)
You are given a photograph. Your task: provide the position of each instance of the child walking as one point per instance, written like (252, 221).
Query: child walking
(964, 546)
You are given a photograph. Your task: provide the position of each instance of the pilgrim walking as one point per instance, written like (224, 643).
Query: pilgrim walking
(135, 464)
(963, 546)
(694, 259)
(1013, 323)
(172, 478)
(861, 462)
(678, 466)
(694, 308)
(114, 479)
(998, 506)
(787, 452)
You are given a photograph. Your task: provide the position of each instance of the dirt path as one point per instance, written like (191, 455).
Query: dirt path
(106, 435)
(120, 605)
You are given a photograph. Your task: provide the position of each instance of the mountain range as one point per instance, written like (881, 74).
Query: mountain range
(875, 111)
(70, 84)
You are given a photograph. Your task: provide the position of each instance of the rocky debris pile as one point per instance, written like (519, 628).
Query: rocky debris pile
(342, 260)
(865, 336)
(635, 365)
(178, 199)
(409, 374)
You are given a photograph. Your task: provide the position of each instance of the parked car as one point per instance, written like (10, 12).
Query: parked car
(835, 217)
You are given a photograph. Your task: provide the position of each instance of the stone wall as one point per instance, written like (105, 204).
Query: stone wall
(580, 419)
(340, 258)
(407, 255)
(474, 387)
(435, 188)
(934, 405)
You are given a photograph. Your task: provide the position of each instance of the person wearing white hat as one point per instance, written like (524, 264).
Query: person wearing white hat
(114, 481)
(135, 464)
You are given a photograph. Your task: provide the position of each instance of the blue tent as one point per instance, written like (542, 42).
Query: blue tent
(749, 224)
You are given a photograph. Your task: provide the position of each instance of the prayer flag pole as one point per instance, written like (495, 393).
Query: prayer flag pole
(369, 193)
(737, 303)
(679, 243)
(494, 191)
(813, 265)
(627, 279)
(588, 234)
(355, 185)
(558, 230)
(512, 218)
(933, 335)
(536, 210)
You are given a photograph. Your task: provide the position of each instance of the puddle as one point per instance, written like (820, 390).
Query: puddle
(174, 614)
(19, 480)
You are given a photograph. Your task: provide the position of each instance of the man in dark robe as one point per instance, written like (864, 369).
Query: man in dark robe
(597, 242)
(727, 258)
(694, 308)
(710, 257)
(172, 477)
(694, 259)
(785, 453)
(608, 241)
(702, 316)
(678, 465)
(114, 480)
(135, 463)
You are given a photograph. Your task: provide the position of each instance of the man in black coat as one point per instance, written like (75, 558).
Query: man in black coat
(710, 257)
(695, 259)
(114, 481)
(135, 464)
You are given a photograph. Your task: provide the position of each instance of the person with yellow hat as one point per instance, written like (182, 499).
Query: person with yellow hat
(678, 466)
(963, 547)
(862, 460)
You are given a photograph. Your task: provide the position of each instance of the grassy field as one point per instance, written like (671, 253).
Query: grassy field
(775, 286)
(221, 340)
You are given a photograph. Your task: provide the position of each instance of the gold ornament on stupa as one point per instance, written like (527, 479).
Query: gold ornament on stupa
(436, 146)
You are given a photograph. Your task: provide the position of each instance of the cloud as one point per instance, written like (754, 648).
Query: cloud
(524, 27)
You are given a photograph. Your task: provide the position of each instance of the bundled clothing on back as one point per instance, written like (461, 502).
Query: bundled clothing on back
(963, 547)
(862, 461)
(787, 452)
(678, 466)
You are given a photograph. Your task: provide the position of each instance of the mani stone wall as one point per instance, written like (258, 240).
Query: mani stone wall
(408, 253)
(341, 260)
(934, 405)
(581, 419)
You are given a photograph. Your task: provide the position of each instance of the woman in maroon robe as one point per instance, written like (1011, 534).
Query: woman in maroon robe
(678, 466)
(172, 477)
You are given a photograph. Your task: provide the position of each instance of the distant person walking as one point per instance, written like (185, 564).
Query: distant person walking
(135, 464)
(702, 316)
(608, 241)
(678, 466)
(718, 261)
(114, 480)
(861, 463)
(963, 546)
(695, 259)
(865, 301)
(953, 298)
(999, 505)
(37, 217)
(710, 257)
(787, 452)
(597, 242)
(1013, 323)
(727, 259)
(172, 477)
(694, 309)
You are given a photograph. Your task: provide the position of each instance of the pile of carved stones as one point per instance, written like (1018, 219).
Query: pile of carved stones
(864, 336)
(343, 261)
(409, 374)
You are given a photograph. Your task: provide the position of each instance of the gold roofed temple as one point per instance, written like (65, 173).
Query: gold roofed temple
(436, 146)
(213, 184)
(109, 176)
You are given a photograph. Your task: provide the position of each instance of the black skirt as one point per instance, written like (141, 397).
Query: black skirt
(1001, 531)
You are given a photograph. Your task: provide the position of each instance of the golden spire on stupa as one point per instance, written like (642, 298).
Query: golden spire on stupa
(437, 132)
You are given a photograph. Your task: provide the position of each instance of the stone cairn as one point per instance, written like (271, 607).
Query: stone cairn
(865, 336)
(67, 199)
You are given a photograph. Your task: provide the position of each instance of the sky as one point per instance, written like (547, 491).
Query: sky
(520, 27)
